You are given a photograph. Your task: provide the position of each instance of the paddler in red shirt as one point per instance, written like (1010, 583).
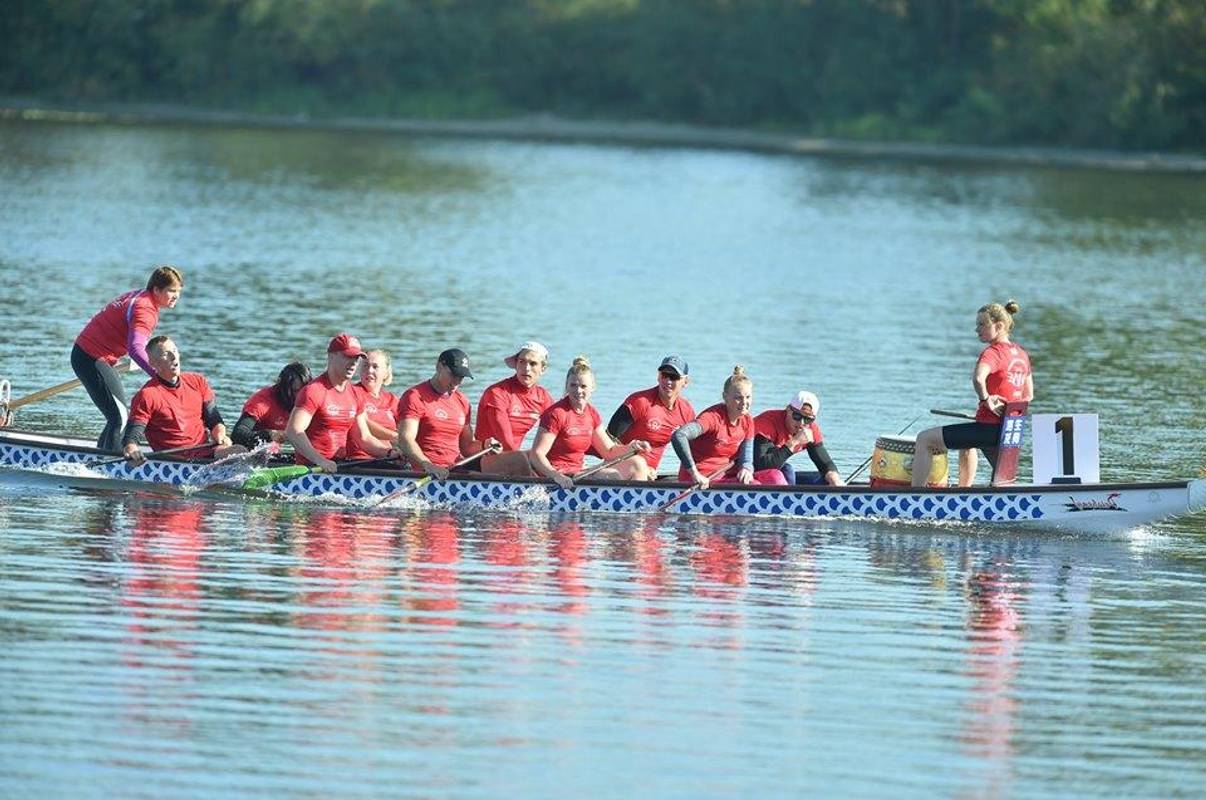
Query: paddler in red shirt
(123, 326)
(1002, 375)
(380, 405)
(174, 409)
(570, 427)
(781, 433)
(510, 408)
(433, 419)
(266, 413)
(328, 407)
(653, 415)
(721, 435)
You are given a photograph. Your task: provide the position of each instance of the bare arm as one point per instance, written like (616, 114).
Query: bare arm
(408, 444)
(539, 457)
(372, 444)
(295, 433)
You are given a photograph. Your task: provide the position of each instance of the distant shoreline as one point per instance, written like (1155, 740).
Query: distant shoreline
(546, 128)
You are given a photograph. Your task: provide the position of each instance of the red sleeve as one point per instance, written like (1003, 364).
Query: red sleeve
(816, 433)
(256, 406)
(637, 405)
(492, 417)
(309, 398)
(990, 357)
(552, 420)
(411, 406)
(140, 408)
(709, 421)
(596, 418)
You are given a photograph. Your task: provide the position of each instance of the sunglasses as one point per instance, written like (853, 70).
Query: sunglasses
(798, 417)
(674, 376)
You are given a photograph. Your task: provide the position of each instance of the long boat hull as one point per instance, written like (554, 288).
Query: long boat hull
(1096, 508)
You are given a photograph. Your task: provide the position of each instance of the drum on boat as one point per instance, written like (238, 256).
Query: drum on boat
(892, 463)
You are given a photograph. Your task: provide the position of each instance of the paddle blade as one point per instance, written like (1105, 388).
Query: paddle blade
(261, 479)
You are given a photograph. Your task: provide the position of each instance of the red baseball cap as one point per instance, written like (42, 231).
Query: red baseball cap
(347, 345)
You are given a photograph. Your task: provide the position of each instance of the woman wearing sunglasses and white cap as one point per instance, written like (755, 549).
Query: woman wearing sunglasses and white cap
(780, 434)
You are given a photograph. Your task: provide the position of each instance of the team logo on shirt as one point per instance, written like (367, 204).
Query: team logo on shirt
(1016, 372)
(440, 413)
(654, 425)
(574, 430)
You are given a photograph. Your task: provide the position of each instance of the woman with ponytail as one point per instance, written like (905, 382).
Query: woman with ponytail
(1002, 375)
(569, 428)
(721, 435)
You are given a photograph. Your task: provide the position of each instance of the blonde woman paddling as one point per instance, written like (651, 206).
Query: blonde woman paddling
(570, 426)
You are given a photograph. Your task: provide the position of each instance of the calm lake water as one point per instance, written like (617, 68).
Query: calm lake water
(160, 647)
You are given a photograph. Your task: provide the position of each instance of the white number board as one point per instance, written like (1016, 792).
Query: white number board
(1065, 448)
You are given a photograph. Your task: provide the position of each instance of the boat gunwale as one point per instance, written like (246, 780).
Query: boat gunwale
(860, 488)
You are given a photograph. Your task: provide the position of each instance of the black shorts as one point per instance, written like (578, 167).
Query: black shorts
(973, 435)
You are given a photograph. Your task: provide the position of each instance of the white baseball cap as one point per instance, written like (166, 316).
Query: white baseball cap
(535, 348)
(802, 398)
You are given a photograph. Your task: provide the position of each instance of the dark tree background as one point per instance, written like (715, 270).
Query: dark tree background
(1127, 74)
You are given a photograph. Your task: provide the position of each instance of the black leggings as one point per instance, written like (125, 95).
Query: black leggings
(984, 436)
(103, 384)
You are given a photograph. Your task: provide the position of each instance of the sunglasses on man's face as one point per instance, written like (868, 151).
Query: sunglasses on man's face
(798, 417)
(673, 376)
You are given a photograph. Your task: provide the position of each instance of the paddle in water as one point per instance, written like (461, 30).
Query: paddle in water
(678, 498)
(263, 478)
(234, 469)
(411, 488)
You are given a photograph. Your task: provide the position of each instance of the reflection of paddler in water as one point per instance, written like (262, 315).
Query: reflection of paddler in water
(162, 593)
(569, 550)
(994, 644)
(1001, 376)
(430, 577)
(346, 565)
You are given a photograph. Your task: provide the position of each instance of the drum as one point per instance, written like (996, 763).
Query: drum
(892, 463)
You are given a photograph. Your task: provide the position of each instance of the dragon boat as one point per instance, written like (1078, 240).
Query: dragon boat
(1085, 508)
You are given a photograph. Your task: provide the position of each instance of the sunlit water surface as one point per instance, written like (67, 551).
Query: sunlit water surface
(189, 647)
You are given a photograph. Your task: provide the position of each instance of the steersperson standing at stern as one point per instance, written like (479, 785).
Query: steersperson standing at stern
(1002, 375)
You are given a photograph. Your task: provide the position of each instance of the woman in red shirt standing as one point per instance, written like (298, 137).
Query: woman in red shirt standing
(721, 435)
(123, 326)
(1002, 375)
(569, 428)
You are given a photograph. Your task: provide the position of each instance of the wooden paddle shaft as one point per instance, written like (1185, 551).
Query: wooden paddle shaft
(121, 366)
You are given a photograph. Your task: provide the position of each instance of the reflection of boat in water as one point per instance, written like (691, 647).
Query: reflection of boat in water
(1094, 508)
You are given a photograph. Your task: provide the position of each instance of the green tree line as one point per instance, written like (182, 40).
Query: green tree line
(1127, 74)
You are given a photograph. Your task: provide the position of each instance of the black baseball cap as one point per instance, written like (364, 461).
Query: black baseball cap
(455, 359)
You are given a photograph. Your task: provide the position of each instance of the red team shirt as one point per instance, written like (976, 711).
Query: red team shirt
(334, 413)
(172, 414)
(772, 425)
(108, 334)
(508, 410)
(574, 431)
(654, 423)
(378, 409)
(269, 413)
(719, 442)
(1009, 366)
(441, 418)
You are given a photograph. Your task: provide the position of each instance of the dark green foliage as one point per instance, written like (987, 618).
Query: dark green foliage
(1107, 73)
